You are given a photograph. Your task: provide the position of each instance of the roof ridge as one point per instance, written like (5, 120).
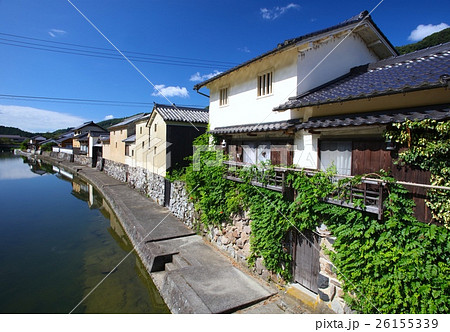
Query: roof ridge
(174, 106)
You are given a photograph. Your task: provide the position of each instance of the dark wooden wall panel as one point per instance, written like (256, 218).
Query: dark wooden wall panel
(371, 156)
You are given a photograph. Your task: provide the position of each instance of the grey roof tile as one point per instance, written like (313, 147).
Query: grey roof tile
(438, 112)
(256, 127)
(130, 139)
(419, 70)
(182, 114)
(128, 121)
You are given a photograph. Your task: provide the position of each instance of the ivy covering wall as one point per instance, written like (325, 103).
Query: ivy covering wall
(394, 265)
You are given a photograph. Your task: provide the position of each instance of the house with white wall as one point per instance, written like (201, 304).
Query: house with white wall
(242, 99)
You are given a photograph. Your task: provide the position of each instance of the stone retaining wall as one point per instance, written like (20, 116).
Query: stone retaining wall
(330, 288)
(116, 170)
(146, 182)
(62, 156)
(181, 206)
(156, 187)
(82, 159)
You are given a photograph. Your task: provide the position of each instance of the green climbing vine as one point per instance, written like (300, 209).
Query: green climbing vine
(426, 144)
(394, 265)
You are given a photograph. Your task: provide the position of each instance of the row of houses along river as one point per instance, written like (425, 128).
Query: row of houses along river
(58, 240)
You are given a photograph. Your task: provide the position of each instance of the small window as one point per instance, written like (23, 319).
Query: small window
(132, 153)
(140, 130)
(223, 98)
(154, 150)
(143, 143)
(155, 126)
(116, 145)
(265, 84)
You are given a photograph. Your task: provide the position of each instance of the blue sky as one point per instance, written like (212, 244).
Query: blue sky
(181, 42)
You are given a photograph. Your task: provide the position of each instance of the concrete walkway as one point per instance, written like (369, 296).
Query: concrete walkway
(190, 274)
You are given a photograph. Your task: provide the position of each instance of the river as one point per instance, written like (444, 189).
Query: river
(58, 240)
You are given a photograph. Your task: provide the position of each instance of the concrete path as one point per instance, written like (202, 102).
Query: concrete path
(191, 276)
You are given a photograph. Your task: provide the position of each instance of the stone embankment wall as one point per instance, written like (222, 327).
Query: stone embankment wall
(82, 159)
(146, 182)
(330, 289)
(62, 156)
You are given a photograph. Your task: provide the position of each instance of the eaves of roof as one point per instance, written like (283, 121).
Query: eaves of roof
(436, 112)
(255, 127)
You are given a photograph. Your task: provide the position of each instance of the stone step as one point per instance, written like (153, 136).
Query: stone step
(171, 267)
(180, 261)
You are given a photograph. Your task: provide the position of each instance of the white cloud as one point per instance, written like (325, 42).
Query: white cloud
(423, 31)
(244, 49)
(56, 32)
(35, 119)
(109, 117)
(275, 12)
(170, 91)
(199, 78)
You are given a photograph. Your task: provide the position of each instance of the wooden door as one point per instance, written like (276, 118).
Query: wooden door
(306, 259)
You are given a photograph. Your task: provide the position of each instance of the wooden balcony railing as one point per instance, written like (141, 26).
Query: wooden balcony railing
(368, 195)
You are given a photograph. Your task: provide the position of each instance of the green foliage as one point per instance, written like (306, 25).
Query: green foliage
(47, 146)
(432, 40)
(24, 145)
(394, 265)
(14, 131)
(397, 265)
(427, 146)
(205, 182)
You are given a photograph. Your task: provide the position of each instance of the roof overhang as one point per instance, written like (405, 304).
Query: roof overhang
(256, 127)
(436, 112)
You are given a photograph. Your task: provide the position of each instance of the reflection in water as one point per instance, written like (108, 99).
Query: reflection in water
(55, 249)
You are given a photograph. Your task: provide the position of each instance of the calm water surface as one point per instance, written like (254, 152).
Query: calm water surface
(58, 239)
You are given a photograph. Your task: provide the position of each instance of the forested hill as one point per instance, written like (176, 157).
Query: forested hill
(432, 40)
(108, 123)
(14, 131)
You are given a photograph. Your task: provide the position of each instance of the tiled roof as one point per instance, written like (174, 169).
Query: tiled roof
(424, 69)
(355, 20)
(182, 114)
(128, 121)
(104, 137)
(439, 112)
(66, 136)
(255, 127)
(130, 139)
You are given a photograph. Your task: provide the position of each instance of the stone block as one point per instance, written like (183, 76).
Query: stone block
(247, 230)
(246, 250)
(225, 240)
(259, 266)
(328, 293)
(323, 281)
